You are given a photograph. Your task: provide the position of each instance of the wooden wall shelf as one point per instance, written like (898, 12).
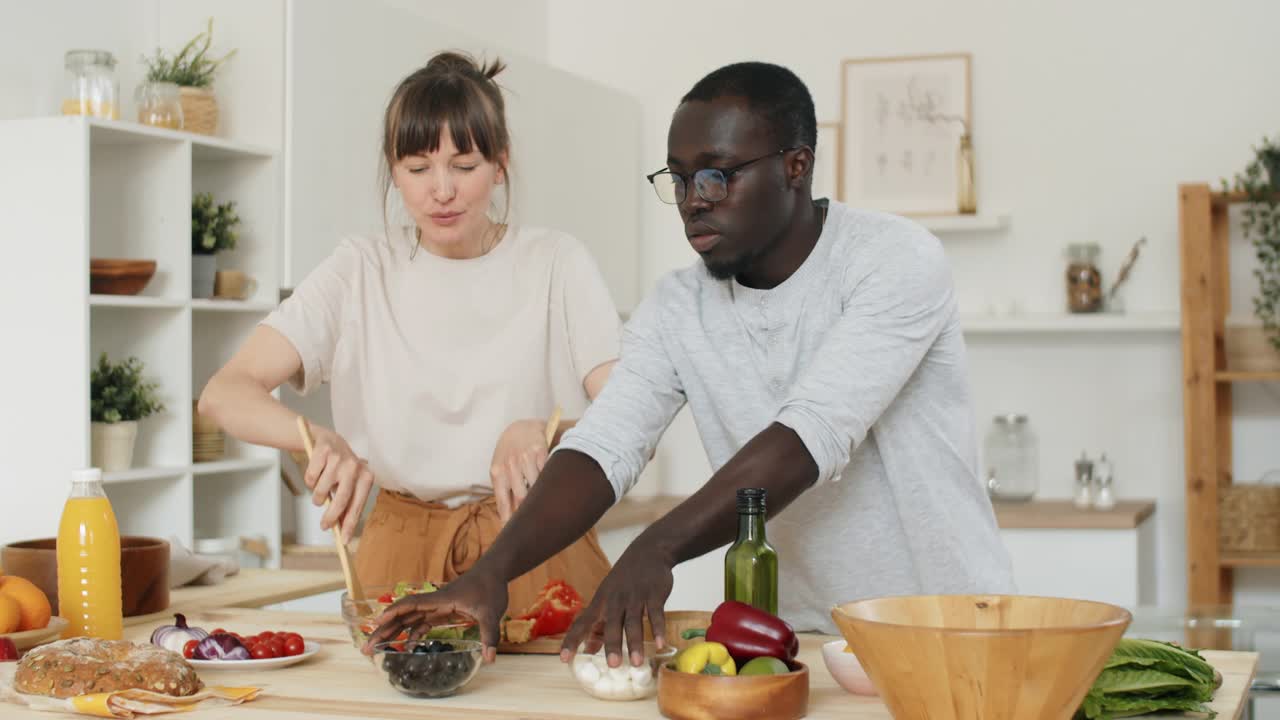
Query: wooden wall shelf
(1204, 229)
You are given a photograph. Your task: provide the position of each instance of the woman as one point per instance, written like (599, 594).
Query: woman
(435, 339)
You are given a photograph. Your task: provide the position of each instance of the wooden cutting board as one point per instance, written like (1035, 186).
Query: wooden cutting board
(549, 645)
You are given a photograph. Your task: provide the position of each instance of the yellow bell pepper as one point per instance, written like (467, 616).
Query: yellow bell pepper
(707, 658)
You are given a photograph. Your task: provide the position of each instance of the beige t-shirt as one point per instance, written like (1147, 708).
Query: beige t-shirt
(430, 359)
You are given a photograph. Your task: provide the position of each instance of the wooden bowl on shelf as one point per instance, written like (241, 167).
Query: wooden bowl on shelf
(144, 571)
(119, 277)
(1000, 657)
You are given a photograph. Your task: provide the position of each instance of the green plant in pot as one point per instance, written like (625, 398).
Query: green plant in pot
(213, 229)
(1260, 221)
(192, 70)
(118, 399)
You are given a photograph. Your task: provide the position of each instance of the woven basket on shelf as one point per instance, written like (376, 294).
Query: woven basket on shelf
(207, 440)
(199, 111)
(1249, 517)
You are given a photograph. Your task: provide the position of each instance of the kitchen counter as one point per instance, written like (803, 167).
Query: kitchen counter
(341, 683)
(249, 588)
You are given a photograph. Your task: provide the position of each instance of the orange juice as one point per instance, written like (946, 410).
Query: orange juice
(89, 561)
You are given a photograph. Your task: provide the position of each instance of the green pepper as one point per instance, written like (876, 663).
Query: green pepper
(707, 658)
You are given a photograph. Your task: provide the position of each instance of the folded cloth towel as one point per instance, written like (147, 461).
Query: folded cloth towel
(188, 568)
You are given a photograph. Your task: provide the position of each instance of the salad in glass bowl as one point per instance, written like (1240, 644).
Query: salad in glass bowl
(381, 597)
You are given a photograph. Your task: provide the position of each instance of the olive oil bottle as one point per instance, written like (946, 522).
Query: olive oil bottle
(751, 564)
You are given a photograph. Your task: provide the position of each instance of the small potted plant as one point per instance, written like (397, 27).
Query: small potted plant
(1260, 221)
(119, 398)
(191, 69)
(212, 231)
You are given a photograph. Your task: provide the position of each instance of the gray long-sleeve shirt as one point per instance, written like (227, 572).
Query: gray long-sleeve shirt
(859, 352)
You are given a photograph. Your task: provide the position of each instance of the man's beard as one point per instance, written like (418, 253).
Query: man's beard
(735, 266)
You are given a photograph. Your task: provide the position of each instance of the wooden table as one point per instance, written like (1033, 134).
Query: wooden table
(249, 588)
(341, 683)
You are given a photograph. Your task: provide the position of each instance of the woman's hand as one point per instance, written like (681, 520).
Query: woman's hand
(336, 474)
(521, 452)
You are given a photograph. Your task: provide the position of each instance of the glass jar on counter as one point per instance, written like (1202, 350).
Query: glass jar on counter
(1012, 457)
(160, 105)
(1084, 280)
(92, 88)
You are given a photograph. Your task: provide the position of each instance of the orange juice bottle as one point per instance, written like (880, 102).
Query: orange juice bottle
(89, 561)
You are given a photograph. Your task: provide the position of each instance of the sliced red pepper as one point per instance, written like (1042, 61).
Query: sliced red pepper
(554, 610)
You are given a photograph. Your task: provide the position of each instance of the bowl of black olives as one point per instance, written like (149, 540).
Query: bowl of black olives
(429, 669)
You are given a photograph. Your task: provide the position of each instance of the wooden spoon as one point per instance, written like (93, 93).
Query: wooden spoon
(354, 591)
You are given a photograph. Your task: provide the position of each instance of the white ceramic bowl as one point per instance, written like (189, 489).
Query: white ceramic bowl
(846, 669)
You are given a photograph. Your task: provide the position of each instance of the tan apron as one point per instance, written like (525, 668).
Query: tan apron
(407, 539)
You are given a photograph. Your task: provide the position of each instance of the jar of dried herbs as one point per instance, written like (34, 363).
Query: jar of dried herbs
(1084, 280)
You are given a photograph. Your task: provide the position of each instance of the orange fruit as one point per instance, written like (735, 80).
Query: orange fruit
(33, 604)
(10, 615)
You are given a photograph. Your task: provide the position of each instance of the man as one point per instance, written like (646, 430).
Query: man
(820, 351)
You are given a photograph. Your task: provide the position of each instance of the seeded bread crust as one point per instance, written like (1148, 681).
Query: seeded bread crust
(82, 666)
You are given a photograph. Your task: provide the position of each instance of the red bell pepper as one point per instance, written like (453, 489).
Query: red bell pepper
(749, 633)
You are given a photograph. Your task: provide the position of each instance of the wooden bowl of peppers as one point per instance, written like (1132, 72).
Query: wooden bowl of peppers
(736, 663)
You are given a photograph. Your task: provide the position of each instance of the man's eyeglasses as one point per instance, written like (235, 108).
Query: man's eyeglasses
(712, 184)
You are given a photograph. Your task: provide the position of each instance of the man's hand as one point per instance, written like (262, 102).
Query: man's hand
(477, 595)
(638, 586)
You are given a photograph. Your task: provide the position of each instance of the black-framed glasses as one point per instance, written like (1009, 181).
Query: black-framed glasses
(712, 184)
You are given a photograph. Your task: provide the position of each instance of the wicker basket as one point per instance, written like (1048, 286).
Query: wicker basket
(207, 440)
(199, 111)
(1249, 517)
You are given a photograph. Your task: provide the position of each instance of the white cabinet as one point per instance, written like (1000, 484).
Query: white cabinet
(72, 189)
(1114, 566)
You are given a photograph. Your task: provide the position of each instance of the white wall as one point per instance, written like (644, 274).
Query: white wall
(1086, 116)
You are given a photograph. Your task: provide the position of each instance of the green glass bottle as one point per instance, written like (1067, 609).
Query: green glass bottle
(751, 564)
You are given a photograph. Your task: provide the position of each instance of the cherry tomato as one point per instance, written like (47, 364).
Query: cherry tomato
(189, 649)
(276, 644)
(292, 636)
(217, 631)
(294, 645)
(261, 652)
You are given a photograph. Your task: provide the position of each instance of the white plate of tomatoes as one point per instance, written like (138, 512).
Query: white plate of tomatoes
(267, 650)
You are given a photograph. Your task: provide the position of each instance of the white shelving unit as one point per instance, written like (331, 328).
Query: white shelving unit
(1071, 323)
(72, 189)
(964, 223)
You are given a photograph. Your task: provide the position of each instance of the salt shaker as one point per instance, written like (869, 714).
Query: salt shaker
(1084, 483)
(1103, 495)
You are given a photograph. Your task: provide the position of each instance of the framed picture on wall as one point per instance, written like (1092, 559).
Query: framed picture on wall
(826, 161)
(902, 119)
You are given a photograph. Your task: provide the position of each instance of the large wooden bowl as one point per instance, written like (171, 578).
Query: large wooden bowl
(995, 657)
(683, 696)
(144, 571)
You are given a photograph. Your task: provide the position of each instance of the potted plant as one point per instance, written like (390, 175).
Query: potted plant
(212, 231)
(118, 399)
(1260, 221)
(191, 69)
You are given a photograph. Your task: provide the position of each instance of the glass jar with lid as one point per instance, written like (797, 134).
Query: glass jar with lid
(92, 88)
(1084, 280)
(160, 105)
(1012, 455)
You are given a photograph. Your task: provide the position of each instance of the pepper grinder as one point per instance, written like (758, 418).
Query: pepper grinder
(1084, 483)
(1103, 496)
